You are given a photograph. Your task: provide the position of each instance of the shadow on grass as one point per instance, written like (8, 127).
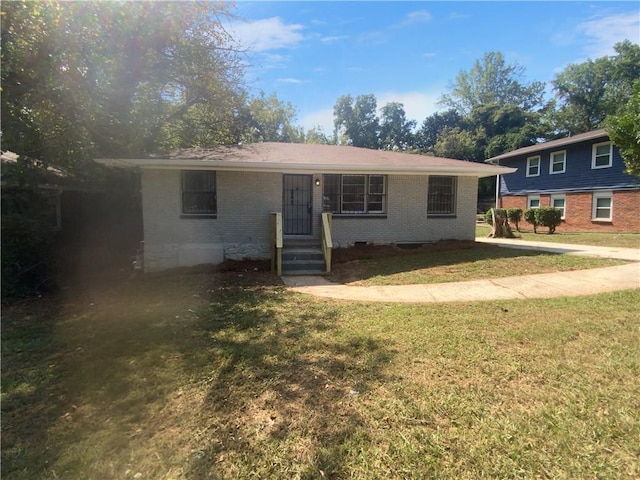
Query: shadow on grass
(31, 378)
(92, 381)
(79, 365)
(281, 386)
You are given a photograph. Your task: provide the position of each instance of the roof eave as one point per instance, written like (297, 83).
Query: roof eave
(469, 169)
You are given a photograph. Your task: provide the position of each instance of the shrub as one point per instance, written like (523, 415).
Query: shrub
(515, 216)
(548, 217)
(545, 216)
(530, 217)
(488, 218)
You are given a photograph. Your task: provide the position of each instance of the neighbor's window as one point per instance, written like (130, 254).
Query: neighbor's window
(533, 166)
(533, 201)
(354, 194)
(199, 192)
(602, 206)
(559, 201)
(602, 155)
(441, 195)
(558, 162)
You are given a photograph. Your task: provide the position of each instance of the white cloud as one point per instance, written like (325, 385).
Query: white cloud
(267, 34)
(290, 81)
(335, 38)
(320, 118)
(604, 32)
(417, 105)
(419, 16)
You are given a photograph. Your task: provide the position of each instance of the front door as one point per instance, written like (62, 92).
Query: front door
(296, 204)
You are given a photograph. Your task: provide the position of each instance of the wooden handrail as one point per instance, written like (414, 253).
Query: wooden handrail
(327, 242)
(276, 242)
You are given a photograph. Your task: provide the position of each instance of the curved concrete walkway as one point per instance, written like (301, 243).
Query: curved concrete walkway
(545, 285)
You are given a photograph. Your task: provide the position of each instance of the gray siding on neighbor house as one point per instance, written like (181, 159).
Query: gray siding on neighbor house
(245, 200)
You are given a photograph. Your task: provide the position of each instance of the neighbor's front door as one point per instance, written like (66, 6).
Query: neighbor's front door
(296, 204)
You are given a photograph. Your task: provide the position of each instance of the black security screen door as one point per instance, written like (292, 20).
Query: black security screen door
(296, 204)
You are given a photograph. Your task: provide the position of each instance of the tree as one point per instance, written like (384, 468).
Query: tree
(492, 81)
(457, 143)
(396, 132)
(588, 92)
(432, 126)
(624, 130)
(500, 129)
(356, 123)
(581, 89)
(317, 136)
(271, 120)
(82, 79)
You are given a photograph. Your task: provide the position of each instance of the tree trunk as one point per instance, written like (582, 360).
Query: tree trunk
(501, 228)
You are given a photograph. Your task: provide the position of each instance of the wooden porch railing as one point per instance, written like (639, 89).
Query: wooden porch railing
(276, 242)
(327, 242)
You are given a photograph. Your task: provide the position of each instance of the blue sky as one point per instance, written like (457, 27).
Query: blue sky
(310, 53)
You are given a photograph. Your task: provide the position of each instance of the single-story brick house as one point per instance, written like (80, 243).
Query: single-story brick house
(583, 175)
(208, 205)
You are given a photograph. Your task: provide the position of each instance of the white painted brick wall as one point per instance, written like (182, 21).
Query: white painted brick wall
(407, 216)
(241, 229)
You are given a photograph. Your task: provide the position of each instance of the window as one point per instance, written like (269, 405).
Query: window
(602, 206)
(199, 192)
(354, 194)
(533, 166)
(441, 196)
(602, 155)
(558, 201)
(558, 162)
(533, 201)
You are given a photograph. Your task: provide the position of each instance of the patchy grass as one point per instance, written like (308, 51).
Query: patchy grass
(434, 264)
(622, 240)
(228, 375)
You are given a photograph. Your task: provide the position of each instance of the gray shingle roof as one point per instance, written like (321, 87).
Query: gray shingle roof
(311, 158)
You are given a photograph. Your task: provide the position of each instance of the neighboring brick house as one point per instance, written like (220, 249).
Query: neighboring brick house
(582, 175)
(208, 205)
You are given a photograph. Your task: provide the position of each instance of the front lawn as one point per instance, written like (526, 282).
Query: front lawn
(440, 264)
(231, 376)
(622, 240)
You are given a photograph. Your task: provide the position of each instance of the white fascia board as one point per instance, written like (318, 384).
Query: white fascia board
(179, 164)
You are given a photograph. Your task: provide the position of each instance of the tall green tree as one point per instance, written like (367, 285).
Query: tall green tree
(586, 93)
(356, 121)
(492, 81)
(433, 126)
(396, 132)
(272, 120)
(457, 143)
(623, 128)
(82, 79)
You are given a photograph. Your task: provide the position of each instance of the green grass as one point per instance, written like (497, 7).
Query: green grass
(622, 240)
(222, 376)
(477, 262)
